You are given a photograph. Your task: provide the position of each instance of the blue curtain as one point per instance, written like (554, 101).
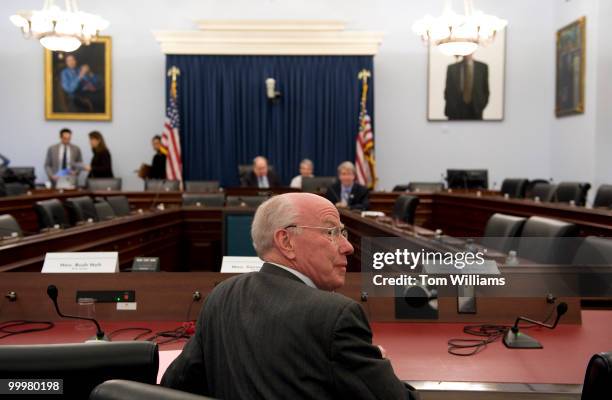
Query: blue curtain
(227, 120)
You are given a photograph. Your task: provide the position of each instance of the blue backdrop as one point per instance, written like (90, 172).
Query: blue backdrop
(227, 120)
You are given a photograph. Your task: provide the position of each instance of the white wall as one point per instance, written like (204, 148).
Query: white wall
(408, 146)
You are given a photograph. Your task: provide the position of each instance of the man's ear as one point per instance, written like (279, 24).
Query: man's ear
(284, 244)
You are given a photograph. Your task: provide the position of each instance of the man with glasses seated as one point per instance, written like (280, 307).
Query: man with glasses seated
(282, 332)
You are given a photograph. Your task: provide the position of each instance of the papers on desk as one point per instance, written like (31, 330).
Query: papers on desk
(372, 214)
(240, 265)
(106, 262)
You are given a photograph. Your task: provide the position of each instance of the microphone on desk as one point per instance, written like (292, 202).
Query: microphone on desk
(100, 336)
(514, 339)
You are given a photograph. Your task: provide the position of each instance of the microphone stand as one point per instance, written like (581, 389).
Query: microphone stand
(514, 339)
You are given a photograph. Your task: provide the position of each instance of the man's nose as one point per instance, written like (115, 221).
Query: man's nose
(346, 247)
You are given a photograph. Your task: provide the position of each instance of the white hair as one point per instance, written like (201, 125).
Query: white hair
(308, 162)
(347, 165)
(275, 213)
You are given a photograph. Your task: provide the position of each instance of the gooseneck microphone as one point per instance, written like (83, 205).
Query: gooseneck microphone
(515, 339)
(52, 293)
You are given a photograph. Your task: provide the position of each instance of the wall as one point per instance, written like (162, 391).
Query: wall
(408, 146)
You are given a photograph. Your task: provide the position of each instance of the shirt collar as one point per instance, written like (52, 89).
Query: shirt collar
(300, 275)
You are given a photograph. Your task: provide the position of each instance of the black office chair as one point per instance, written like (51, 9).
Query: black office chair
(541, 241)
(50, 213)
(15, 189)
(594, 251)
(104, 211)
(161, 185)
(425, 186)
(317, 184)
(544, 191)
(404, 208)
(502, 231)
(401, 188)
(598, 378)
(248, 201)
(594, 257)
(2, 187)
(603, 198)
(204, 199)
(120, 205)
(530, 186)
(82, 366)
(9, 227)
(121, 390)
(81, 209)
(572, 191)
(202, 186)
(515, 188)
(106, 184)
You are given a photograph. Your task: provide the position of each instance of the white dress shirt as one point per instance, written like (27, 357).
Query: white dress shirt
(300, 275)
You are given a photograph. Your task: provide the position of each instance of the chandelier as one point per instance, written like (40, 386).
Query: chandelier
(459, 35)
(57, 29)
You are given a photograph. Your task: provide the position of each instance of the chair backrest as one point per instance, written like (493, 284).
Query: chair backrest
(104, 211)
(594, 251)
(201, 186)
(50, 213)
(530, 184)
(603, 198)
(15, 189)
(541, 241)
(598, 377)
(401, 188)
(99, 184)
(82, 366)
(425, 186)
(162, 185)
(544, 191)
(515, 188)
(204, 199)
(120, 205)
(9, 226)
(81, 209)
(317, 184)
(572, 191)
(117, 389)
(248, 201)
(405, 207)
(501, 232)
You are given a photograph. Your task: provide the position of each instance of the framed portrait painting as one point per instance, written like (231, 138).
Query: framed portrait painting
(470, 87)
(571, 42)
(78, 84)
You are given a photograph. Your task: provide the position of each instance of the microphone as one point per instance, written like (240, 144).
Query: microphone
(100, 336)
(514, 339)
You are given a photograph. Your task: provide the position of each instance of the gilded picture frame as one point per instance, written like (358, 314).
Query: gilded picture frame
(570, 68)
(78, 85)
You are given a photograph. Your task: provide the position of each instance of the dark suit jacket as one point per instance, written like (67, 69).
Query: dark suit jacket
(101, 165)
(358, 199)
(453, 93)
(158, 168)
(251, 179)
(267, 335)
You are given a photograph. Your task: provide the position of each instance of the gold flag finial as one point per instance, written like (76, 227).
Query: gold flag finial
(173, 72)
(363, 75)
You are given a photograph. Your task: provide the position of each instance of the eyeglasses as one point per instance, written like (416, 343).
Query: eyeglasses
(332, 233)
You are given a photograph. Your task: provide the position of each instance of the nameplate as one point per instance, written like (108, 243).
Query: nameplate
(240, 265)
(75, 263)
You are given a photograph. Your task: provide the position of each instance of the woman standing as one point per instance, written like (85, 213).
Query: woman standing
(101, 165)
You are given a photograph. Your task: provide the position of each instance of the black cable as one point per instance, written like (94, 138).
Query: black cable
(5, 327)
(145, 331)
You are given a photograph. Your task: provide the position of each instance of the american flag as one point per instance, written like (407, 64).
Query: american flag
(170, 137)
(364, 156)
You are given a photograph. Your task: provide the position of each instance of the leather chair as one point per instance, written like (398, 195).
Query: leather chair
(541, 241)
(104, 211)
(9, 226)
(2, 186)
(572, 191)
(317, 184)
(544, 191)
(515, 188)
(425, 186)
(593, 256)
(501, 232)
(120, 205)
(122, 390)
(81, 209)
(404, 208)
(50, 213)
(594, 251)
(162, 185)
(202, 186)
(249, 201)
(106, 184)
(204, 199)
(598, 378)
(531, 184)
(15, 189)
(401, 188)
(603, 198)
(82, 366)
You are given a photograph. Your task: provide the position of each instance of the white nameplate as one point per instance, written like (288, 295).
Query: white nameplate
(107, 262)
(240, 265)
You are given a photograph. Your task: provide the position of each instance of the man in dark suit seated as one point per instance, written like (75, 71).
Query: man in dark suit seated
(346, 193)
(282, 333)
(261, 176)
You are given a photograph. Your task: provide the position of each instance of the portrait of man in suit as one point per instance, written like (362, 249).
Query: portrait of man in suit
(467, 89)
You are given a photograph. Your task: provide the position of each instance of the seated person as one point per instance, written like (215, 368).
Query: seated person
(306, 169)
(346, 193)
(282, 333)
(261, 177)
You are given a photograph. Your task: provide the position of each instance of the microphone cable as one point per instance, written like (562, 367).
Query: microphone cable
(6, 331)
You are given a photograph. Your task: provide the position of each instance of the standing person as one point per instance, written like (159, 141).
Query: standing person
(261, 177)
(158, 166)
(346, 193)
(306, 170)
(101, 164)
(63, 158)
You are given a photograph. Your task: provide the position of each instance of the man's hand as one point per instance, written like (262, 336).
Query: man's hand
(84, 70)
(54, 178)
(341, 204)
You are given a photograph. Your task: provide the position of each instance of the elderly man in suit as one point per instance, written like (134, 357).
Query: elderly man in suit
(261, 176)
(63, 157)
(467, 89)
(282, 333)
(346, 193)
